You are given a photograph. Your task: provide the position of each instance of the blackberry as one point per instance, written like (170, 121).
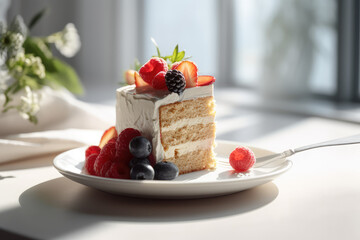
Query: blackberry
(175, 81)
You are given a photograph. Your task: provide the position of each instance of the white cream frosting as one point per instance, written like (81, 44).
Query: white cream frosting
(141, 110)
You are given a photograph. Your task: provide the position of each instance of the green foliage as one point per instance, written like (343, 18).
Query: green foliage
(58, 73)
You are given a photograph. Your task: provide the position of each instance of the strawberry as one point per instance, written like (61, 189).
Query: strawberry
(107, 135)
(139, 82)
(149, 70)
(204, 80)
(89, 163)
(91, 150)
(129, 76)
(189, 69)
(122, 144)
(159, 81)
(242, 159)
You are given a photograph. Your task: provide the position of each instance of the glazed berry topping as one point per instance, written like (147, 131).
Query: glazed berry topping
(122, 144)
(91, 150)
(159, 81)
(242, 159)
(135, 161)
(175, 81)
(142, 172)
(140, 147)
(205, 80)
(149, 70)
(166, 171)
(89, 163)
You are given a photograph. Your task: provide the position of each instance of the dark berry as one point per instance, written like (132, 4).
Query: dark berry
(166, 171)
(135, 161)
(140, 147)
(175, 81)
(142, 172)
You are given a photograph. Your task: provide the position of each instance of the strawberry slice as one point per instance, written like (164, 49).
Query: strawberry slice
(189, 69)
(129, 76)
(107, 136)
(139, 82)
(204, 80)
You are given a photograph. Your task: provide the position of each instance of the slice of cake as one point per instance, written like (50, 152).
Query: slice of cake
(181, 127)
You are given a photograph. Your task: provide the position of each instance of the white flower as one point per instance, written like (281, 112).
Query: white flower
(29, 104)
(67, 41)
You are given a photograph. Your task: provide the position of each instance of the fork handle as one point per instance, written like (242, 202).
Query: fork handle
(335, 142)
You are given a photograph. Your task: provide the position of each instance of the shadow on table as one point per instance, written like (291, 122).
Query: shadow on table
(60, 206)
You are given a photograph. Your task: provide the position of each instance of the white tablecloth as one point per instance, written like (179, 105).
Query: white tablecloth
(64, 123)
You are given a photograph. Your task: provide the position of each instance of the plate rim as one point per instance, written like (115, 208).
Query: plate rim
(274, 173)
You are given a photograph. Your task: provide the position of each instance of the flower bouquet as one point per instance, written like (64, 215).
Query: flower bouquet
(27, 64)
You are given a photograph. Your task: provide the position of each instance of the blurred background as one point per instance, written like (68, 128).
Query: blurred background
(297, 58)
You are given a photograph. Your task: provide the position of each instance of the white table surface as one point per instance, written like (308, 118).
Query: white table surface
(317, 199)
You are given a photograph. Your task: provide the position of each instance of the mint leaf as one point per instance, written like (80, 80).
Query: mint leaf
(180, 56)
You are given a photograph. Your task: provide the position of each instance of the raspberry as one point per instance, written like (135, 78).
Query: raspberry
(152, 159)
(118, 170)
(91, 150)
(175, 81)
(149, 70)
(159, 81)
(175, 64)
(107, 154)
(122, 144)
(113, 140)
(105, 168)
(242, 159)
(89, 163)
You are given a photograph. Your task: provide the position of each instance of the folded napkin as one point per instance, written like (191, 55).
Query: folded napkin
(64, 123)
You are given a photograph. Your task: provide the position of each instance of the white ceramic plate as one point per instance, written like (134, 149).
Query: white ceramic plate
(208, 183)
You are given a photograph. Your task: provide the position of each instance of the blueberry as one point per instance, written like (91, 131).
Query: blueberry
(142, 172)
(140, 147)
(166, 171)
(135, 161)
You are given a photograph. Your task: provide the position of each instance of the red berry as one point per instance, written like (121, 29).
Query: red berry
(149, 70)
(139, 82)
(118, 170)
(107, 154)
(159, 81)
(122, 144)
(89, 163)
(91, 150)
(190, 71)
(105, 168)
(242, 159)
(205, 80)
(107, 135)
(175, 64)
(152, 159)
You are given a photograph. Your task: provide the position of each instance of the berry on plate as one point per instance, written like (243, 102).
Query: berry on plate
(91, 150)
(166, 171)
(122, 144)
(242, 159)
(175, 81)
(135, 161)
(142, 172)
(107, 135)
(159, 81)
(140, 147)
(118, 170)
(149, 70)
(190, 71)
(204, 80)
(107, 154)
(89, 163)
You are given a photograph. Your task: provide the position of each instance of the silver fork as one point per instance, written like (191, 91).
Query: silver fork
(262, 161)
